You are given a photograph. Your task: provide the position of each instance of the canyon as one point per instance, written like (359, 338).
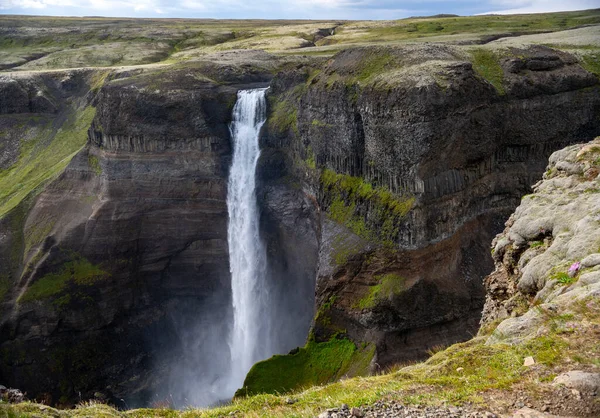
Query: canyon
(385, 172)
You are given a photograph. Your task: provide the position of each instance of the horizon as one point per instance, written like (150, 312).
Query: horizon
(271, 10)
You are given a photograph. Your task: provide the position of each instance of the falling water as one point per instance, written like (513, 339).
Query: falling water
(250, 336)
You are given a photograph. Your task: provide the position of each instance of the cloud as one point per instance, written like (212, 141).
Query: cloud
(291, 9)
(539, 6)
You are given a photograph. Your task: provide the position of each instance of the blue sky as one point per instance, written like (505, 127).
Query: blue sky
(291, 9)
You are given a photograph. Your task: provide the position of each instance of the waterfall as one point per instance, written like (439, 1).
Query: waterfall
(250, 336)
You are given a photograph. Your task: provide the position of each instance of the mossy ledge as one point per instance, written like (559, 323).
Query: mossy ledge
(371, 212)
(79, 272)
(487, 64)
(316, 363)
(387, 286)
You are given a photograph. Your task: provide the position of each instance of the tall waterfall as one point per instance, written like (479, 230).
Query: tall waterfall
(250, 337)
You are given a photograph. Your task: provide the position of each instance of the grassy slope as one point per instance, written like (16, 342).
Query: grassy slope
(42, 160)
(45, 42)
(467, 372)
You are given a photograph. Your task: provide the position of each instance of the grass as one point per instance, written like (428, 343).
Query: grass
(464, 372)
(591, 62)
(487, 64)
(314, 364)
(36, 166)
(79, 272)
(283, 117)
(347, 194)
(388, 285)
(77, 42)
(413, 28)
(94, 164)
(373, 64)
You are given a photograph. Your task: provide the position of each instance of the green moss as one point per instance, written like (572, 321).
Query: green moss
(310, 160)
(591, 62)
(347, 193)
(36, 167)
(283, 117)
(79, 272)
(37, 232)
(487, 65)
(313, 364)
(322, 316)
(98, 79)
(94, 164)
(374, 64)
(388, 285)
(536, 244)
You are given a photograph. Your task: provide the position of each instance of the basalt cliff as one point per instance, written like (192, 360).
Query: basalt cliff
(385, 173)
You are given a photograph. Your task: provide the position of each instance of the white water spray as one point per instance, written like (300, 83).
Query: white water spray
(250, 337)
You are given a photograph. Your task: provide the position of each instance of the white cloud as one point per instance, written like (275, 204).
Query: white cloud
(33, 4)
(297, 9)
(539, 6)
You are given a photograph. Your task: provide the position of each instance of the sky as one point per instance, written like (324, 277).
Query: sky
(290, 9)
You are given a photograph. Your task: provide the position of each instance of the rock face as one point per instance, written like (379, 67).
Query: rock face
(126, 291)
(415, 161)
(548, 255)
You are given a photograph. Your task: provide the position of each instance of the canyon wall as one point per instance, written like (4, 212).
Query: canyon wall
(416, 156)
(384, 175)
(119, 278)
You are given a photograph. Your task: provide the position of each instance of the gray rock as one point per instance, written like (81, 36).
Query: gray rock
(12, 396)
(570, 168)
(589, 278)
(591, 260)
(517, 330)
(531, 413)
(582, 381)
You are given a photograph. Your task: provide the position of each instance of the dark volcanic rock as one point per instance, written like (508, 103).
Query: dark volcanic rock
(418, 122)
(135, 232)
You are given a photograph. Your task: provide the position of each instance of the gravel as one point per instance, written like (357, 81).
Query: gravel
(391, 409)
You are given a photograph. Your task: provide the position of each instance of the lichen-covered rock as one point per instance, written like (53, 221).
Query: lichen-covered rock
(548, 253)
(582, 381)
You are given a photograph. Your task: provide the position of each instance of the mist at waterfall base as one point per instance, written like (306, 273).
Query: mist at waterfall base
(253, 314)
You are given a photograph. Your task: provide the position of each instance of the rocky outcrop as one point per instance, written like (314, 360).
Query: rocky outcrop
(415, 160)
(548, 255)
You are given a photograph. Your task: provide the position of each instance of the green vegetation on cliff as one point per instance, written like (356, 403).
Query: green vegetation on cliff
(373, 213)
(387, 286)
(487, 63)
(314, 364)
(42, 159)
(283, 117)
(78, 272)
